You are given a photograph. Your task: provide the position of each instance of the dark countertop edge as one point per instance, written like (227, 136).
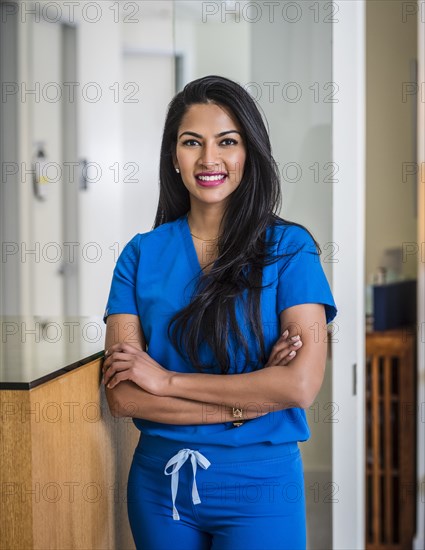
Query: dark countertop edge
(52, 375)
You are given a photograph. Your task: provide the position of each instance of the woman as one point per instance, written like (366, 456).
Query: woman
(233, 304)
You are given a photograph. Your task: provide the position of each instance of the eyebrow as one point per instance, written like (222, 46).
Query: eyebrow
(217, 135)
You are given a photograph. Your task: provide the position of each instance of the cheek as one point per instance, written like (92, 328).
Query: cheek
(185, 156)
(236, 156)
(238, 162)
(186, 164)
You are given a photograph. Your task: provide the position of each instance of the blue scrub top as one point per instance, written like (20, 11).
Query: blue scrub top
(155, 276)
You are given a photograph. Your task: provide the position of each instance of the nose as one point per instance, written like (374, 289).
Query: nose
(210, 157)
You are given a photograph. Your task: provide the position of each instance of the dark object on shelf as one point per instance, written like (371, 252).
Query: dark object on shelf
(394, 305)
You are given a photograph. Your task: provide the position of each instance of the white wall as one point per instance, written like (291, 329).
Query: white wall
(300, 130)
(209, 46)
(148, 65)
(222, 49)
(125, 133)
(100, 141)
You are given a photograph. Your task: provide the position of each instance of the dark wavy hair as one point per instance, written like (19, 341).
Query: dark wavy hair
(242, 247)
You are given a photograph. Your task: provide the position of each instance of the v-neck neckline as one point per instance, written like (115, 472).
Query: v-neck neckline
(190, 246)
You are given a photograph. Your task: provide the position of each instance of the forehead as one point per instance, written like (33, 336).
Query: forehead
(208, 115)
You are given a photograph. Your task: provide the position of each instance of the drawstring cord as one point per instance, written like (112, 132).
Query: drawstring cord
(177, 462)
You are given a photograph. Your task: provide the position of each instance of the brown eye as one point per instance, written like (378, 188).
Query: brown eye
(190, 142)
(229, 141)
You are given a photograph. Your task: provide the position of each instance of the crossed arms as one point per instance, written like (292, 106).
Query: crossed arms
(142, 388)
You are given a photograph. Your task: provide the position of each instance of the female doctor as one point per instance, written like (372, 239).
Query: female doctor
(216, 338)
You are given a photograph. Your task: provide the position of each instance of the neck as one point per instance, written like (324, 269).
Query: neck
(204, 225)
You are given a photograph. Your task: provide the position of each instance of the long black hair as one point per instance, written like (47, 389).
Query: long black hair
(242, 247)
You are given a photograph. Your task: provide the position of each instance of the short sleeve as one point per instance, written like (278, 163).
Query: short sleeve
(301, 276)
(122, 294)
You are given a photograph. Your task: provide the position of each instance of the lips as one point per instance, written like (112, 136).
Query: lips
(211, 179)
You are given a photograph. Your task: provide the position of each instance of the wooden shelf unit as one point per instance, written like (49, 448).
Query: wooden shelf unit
(390, 439)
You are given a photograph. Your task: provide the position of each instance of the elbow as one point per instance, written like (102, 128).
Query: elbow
(119, 404)
(116, 412)
(306, 395)
(307, 384)
(114, 405)
(305, 402)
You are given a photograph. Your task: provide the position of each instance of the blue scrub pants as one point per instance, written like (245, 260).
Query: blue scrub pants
(225, 498)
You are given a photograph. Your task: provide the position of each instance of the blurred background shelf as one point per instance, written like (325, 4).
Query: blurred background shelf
(390, 439)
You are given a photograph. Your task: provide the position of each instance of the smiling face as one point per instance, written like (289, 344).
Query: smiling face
(210, 153)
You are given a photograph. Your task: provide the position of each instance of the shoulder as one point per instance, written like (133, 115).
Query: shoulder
(292, 237)
(153, 236)
(161, 232)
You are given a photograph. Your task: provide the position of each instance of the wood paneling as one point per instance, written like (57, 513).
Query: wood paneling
(15, 471)
(70, 459)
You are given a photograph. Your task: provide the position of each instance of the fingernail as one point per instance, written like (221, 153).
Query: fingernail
(285, 333)
(295, 337)
(106, 352)
(292, 353)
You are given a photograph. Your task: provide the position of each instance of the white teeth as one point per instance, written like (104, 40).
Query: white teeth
(211, 178)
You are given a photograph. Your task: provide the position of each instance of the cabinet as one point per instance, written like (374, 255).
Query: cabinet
(390, 439)
(64, 464)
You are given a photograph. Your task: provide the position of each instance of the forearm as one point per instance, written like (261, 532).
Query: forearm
(129, 400)
(271, 388)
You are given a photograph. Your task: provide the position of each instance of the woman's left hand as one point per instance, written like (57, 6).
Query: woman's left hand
(126, 362)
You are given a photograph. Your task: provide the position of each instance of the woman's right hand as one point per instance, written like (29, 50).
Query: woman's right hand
(284, 350)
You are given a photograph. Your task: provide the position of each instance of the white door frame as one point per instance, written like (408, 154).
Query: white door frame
(348, 352)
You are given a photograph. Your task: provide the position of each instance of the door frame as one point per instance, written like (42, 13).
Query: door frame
(348, 351)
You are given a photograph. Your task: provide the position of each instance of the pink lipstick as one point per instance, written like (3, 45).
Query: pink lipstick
(211, 179)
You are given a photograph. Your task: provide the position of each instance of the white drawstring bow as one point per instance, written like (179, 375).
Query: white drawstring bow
(177, 461)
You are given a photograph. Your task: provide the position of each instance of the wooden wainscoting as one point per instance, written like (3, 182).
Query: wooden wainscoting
(64, 466)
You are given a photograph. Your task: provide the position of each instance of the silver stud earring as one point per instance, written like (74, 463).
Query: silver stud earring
(178, 171)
